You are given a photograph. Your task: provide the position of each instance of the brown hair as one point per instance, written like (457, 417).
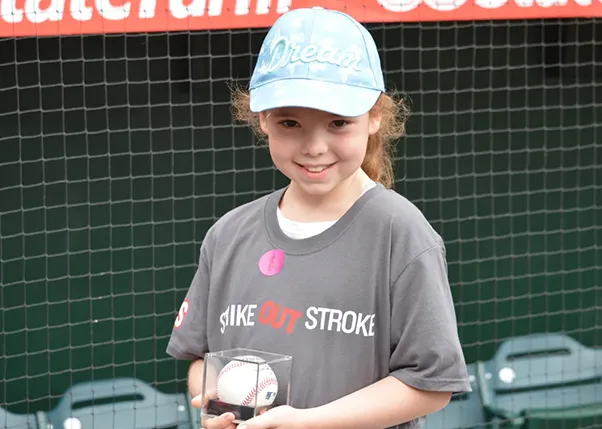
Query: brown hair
(378, 162)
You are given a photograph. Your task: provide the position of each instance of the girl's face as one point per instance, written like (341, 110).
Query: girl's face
(316, 150)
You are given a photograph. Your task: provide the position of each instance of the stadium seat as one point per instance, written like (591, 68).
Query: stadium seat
(122, 403)
(579, 418)
(465, 411)
(9, 420)
(543, 377)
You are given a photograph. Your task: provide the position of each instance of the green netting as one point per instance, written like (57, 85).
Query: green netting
(118, 152)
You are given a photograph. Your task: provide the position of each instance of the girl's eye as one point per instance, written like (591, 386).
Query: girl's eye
(339, 123)
(289, 123)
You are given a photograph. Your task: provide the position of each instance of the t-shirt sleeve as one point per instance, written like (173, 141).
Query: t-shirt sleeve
(426, 350)
(188, 339)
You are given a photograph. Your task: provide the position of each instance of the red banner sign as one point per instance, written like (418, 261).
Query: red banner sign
(72, 17)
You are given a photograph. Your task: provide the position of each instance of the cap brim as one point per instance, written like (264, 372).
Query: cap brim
(338, 99)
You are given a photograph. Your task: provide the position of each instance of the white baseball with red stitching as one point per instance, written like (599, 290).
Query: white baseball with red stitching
(239, 384)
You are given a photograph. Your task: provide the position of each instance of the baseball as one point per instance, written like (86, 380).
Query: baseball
(239, 383)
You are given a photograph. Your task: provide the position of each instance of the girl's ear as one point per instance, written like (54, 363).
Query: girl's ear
(263, 122)
(375, 121)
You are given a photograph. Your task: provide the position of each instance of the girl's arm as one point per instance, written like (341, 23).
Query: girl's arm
(386, 403)
(195, 378)
(195, 382)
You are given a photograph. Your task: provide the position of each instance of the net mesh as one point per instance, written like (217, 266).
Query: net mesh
(118, 152)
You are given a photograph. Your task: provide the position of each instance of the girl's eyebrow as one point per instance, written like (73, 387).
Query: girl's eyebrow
(282, 112)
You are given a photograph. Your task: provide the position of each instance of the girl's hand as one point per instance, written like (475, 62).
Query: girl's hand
(282, 417)
(220, 422)
(224, 421)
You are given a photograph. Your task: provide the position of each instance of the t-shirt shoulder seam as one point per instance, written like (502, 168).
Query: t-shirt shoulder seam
(216, 231)
(204, 257)
(417, 257)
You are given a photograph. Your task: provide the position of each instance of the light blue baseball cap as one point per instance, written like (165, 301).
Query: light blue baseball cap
(320, 59)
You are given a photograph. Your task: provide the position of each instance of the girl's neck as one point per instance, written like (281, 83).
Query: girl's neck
(299, 206)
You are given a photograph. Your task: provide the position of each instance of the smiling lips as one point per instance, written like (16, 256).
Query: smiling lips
(315, 171)
(315, 168)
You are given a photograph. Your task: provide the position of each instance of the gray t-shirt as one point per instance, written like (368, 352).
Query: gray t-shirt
(367, 298)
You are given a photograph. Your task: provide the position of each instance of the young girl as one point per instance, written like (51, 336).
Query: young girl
(336, 269)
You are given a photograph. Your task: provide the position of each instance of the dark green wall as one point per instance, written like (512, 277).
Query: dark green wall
(111, 171)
